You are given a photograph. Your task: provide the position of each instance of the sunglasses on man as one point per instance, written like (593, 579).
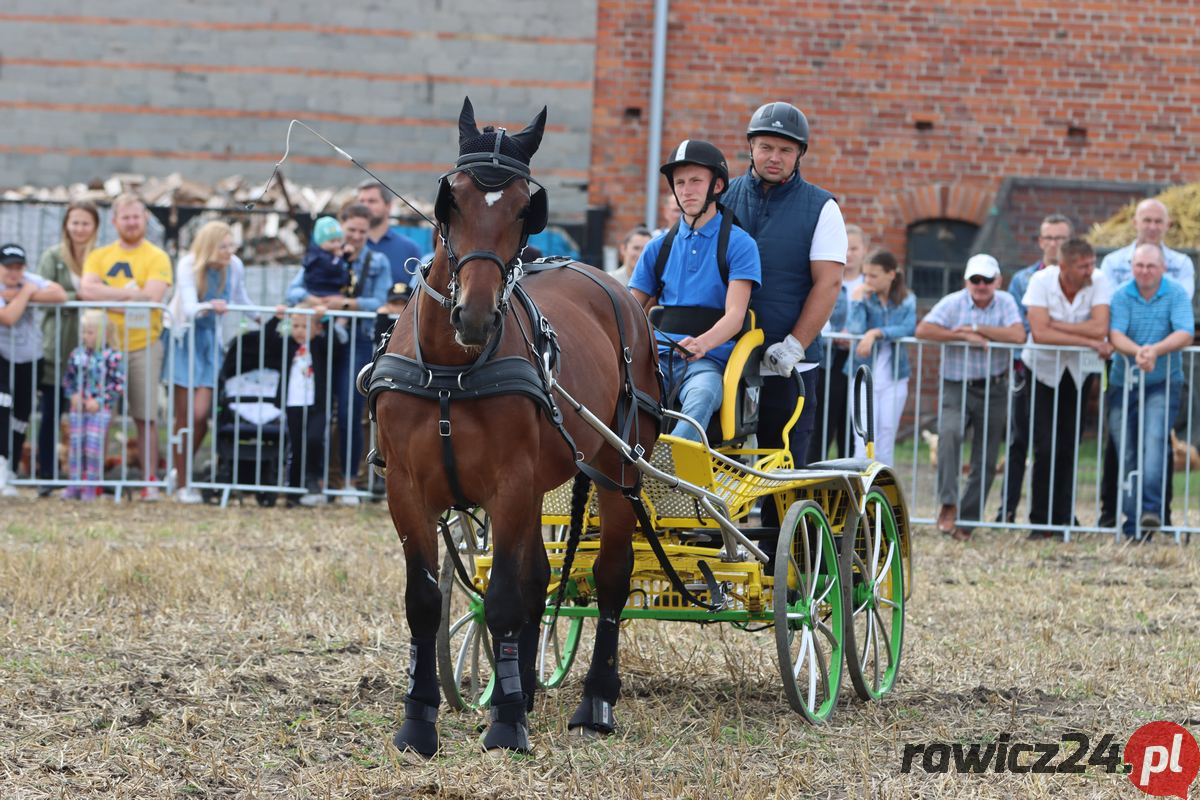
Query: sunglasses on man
(978, 279)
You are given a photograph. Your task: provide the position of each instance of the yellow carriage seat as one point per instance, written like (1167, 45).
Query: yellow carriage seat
(737, 418)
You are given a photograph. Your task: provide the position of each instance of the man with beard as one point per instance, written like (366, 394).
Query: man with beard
(383, 238)
(132, 269)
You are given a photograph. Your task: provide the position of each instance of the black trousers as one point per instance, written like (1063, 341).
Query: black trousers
(1055, 445)
(17, 389)
(1018, 444)
(306, 445)
(53, 398)
(832, 427)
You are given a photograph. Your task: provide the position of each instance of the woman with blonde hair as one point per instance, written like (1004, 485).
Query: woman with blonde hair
(208, 278)
(63, 264)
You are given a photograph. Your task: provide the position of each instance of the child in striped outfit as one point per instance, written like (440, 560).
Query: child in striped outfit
(94, 380)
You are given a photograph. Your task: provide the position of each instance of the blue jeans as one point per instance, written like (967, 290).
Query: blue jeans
(700, 390)
(349, 402)
(1158, 415)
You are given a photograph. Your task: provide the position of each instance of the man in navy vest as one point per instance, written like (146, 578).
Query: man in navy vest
(801, 239)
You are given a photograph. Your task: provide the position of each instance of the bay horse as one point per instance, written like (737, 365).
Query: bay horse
(449, 438)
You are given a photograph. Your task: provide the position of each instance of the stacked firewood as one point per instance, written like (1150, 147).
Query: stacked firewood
(270, 222)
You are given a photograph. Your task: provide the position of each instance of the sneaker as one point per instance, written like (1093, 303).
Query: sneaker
(946, 517)
(188, 496)
(1150, 522)
(5, 489)
(348, 500)
(1108, 519)
(1040, 535)
(45, 491)
(310, 500)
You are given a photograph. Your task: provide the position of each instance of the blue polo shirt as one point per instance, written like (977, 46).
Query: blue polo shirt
(398, 248)
(1149, 321)
(691, 276)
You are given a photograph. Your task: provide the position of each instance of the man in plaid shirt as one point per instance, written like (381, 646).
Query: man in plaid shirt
(974, 385)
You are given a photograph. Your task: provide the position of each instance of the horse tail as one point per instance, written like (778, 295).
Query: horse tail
(579, 497)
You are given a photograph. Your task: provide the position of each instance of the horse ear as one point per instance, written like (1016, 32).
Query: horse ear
(467, 129)
(531, 137)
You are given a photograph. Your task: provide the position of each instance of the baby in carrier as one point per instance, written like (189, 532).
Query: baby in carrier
(326, 271)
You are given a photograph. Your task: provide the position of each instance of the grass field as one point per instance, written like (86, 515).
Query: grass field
(167, 651)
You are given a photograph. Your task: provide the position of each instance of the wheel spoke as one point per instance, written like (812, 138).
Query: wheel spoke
(883, 633)
(872, 618)
(887, 601)
(819, 659)
(463, 651)
(878, 539)
(887, 564)
(802, 655)
(816, 563)
(866, 645)
(812, 673)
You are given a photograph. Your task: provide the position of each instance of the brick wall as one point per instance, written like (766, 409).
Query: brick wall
(1099, 92)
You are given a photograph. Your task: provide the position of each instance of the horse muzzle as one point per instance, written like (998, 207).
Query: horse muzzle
(474, 326)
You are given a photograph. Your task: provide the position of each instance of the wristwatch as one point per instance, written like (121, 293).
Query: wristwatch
(975, 327)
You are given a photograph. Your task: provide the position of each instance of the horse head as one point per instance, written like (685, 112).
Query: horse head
(487, 208)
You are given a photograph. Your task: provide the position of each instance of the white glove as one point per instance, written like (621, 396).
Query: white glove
(782, 357)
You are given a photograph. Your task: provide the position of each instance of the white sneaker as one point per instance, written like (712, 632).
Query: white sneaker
(5, 489)
(313, 500)
(348, 500)
(189, 496)
(150, 494)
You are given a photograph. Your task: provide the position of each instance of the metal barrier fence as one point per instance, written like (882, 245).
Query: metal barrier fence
(241, 442)
(1027, 438)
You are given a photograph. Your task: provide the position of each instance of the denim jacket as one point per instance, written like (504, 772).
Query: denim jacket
(894, 321)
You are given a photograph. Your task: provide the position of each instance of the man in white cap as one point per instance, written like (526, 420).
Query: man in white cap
(974, 386)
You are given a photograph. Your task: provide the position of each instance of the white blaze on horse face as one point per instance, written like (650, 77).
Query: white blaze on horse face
(491, 197)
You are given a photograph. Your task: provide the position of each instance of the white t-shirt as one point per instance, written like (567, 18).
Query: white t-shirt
(302, 386)
(829, 241)
(22, 342)
(1045, 291)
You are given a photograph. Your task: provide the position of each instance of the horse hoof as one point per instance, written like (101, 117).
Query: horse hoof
(418, 734)
(416, 738)
(594, 716)
(510, 736)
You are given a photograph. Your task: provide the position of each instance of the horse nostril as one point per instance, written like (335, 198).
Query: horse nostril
(456, 317)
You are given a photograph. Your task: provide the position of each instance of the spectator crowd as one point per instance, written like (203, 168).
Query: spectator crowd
(1018, 366)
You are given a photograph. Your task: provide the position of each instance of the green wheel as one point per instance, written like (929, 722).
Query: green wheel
(808, 606)
(874, 569)
(464, 648)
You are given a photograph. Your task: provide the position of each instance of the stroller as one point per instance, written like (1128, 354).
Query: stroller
(250, 420)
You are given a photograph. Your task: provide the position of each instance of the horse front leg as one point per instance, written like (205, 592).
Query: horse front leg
(422, 607)
(513, 608)
(613, 569)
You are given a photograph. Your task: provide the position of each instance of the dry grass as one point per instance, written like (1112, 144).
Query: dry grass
(160, 652)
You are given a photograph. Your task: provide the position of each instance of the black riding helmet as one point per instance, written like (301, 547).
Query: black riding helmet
(704, 154)
(780, 119)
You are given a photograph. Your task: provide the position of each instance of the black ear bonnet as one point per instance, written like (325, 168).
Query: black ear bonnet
(493, 159)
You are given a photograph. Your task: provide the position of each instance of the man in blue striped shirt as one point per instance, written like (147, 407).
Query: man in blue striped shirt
(1152, 321)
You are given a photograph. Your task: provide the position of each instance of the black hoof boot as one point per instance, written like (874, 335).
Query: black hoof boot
(418, 734)
(508, 730)
(594, 714)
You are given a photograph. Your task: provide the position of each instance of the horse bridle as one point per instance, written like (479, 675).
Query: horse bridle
(534, 221)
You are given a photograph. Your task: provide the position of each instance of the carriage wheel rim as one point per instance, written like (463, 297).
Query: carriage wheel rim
(875, 628)
(809, 618)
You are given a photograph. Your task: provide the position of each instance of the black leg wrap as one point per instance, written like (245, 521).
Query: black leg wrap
(603, 679)
(419, 731)
(508, 730)
(530, 639)
(422, 672)
(594, 713)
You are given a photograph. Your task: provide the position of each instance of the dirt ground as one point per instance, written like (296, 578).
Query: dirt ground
(166, 651)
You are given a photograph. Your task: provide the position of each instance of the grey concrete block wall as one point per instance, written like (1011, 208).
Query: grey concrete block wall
(207, 88)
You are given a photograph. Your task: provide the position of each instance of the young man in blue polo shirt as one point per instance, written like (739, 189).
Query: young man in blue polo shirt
(703, 309)
(1152, 321)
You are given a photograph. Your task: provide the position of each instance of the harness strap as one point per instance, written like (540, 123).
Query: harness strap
(448, 451)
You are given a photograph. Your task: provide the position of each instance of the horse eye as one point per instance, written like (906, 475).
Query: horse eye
(523, 213)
